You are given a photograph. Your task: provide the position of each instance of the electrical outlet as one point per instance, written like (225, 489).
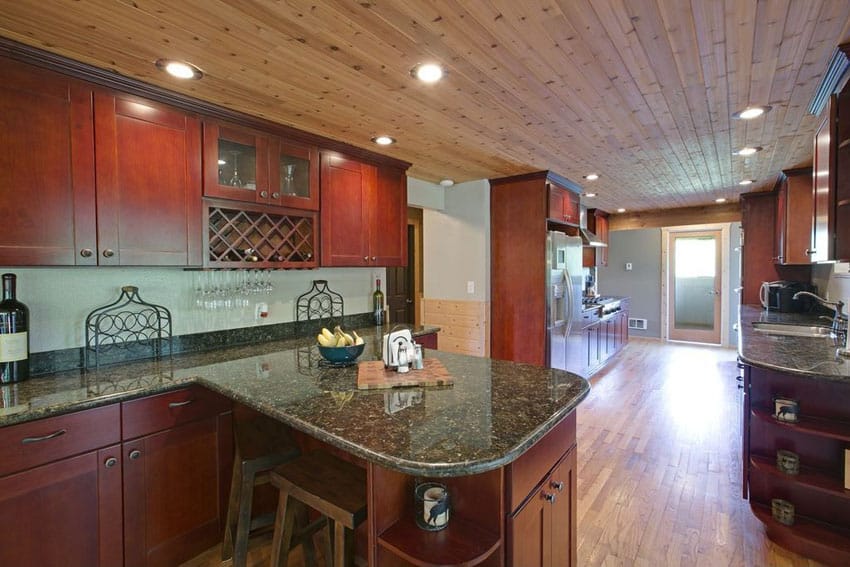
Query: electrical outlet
(628, 266)
(470, 287)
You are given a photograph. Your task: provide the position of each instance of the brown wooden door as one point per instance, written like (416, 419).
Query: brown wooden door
(601, 234)
(794, 218)
(562, 484)
(842, 177)
(528, 533)
(148, 183)
(388, 235)
(175, 491)
(64, 513)
(694, 281)
(47, 200)
(236, 163)
(400, 289)
(345, 197)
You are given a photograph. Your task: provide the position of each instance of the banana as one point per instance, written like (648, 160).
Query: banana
(328, 335)
(358, 340)
(349, 340)
(324, 341)
(340, 342)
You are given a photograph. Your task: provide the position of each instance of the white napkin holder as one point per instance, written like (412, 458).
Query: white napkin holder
(394, 342)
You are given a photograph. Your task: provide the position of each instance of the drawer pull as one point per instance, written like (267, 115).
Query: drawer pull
(135, 454)
(110, 462)
(549, 497)
(559, 486)
(54, 435)
(180, 404)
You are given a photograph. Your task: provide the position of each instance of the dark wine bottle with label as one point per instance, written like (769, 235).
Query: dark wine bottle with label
(378, 303)
(14, 335)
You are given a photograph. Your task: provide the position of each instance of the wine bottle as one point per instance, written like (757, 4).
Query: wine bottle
(378, 303)
(14, 335)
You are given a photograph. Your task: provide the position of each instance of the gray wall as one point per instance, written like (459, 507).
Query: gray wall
(643, 283)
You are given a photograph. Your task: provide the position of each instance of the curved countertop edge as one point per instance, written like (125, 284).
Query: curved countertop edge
(417, 468)
(809, 357)
(46, 400)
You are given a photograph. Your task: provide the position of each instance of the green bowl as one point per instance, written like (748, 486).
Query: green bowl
(338, 355)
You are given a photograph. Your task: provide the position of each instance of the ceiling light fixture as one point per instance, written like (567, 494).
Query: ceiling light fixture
(746, 182)
(591, 176)
(428, 72)
(447, 182)
(621, 210)
(751, 112)
(179, 69)
(720, 200)
(748, 150)
(383, 140)
(588, 195)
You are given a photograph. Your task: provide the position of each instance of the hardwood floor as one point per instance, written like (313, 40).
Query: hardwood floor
(659, 477)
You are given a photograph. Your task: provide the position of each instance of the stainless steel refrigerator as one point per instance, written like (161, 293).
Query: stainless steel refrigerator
(563, 302)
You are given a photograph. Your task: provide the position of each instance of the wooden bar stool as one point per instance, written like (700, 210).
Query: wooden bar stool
(261, 443)
(334, 488)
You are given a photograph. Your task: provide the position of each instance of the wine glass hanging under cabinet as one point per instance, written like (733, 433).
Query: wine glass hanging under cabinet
(256, 167)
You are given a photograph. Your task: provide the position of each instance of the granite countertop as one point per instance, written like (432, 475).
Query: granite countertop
(814, 357)
(493, 412)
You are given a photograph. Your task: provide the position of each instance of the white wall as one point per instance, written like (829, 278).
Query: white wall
(59, 299)
(425, 195)
(456, 248)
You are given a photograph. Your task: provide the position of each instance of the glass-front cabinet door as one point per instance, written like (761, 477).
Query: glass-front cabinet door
(235, 163)
(246, 165)
(294, 175)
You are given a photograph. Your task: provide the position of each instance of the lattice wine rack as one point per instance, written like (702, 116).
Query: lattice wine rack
(254, 237)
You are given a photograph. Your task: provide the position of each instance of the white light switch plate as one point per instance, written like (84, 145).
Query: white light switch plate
(470, 287)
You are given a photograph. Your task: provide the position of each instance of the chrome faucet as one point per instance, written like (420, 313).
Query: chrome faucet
(839, 319)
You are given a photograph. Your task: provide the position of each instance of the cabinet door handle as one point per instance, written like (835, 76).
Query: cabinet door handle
(86, 252)
(810, 251)
(180, 404)
(549, 496)
(365, 258)
(135, 454)
(374, 258)
(559, 485)
(108, 253)
(54, 435)
(110, 462)
(275, 195)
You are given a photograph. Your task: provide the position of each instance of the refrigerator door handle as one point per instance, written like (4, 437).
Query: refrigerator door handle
(570, 305)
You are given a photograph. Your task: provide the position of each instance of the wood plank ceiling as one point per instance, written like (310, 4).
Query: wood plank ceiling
(640, 91)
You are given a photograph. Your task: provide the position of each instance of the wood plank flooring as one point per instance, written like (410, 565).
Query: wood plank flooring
(659, 477)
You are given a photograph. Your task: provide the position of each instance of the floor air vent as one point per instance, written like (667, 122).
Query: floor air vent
(637, 324)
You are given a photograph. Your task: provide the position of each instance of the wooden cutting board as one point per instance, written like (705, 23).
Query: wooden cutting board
(371, 375)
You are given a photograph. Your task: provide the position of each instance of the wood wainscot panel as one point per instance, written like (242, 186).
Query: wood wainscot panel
(464, 326)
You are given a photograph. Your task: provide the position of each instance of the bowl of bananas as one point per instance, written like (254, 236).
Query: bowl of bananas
(340, 347)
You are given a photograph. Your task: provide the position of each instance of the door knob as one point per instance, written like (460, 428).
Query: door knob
(86, 252)
(110, 462)
(135, 454)
(108, 253)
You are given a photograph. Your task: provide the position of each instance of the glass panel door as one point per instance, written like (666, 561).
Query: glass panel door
(295, 175)
(235, 163)
(695, 286)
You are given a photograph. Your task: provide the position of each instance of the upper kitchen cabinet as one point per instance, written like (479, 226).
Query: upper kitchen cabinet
(563, 203)
(47, 168)
(823, 230)
(597, 223)
(363, 213)
(93, 177)
(841, 179)
(243, 164)
(794, 217)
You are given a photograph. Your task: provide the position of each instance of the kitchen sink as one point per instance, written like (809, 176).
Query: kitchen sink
(791, 330)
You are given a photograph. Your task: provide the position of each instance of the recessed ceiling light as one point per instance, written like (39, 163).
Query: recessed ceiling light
(720, 200)
(428, 72)
(591, 176)
(751, 112)
(746, 182)
(748, 150)
(447, 182)
(588, 195)
(179, 69)
(383, 140)
(621, 210)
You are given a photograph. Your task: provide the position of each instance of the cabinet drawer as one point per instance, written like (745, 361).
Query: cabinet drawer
(163, 411)
(38, 442)
(524, 474)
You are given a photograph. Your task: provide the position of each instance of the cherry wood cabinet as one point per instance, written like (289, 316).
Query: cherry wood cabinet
(248, 165)
(563, 204)
(841, 178)
(363, 213)
(794, 217)
(113, 179)
(819, 437)
(60, 491)
(178, 453)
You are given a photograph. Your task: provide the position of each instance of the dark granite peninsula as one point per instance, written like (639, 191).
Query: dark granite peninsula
(796, 390)
(501, 438)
